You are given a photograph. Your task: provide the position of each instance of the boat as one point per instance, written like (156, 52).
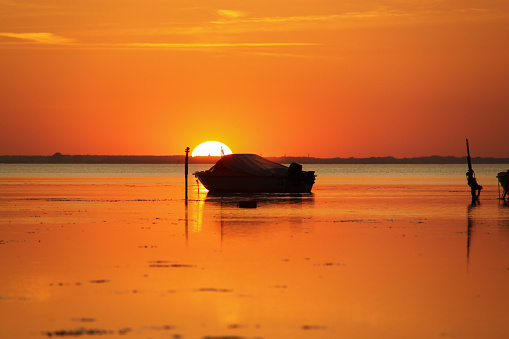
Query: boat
(251, 173)
(503, 180)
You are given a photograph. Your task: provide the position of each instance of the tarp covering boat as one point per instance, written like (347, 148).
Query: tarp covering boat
(250, 164)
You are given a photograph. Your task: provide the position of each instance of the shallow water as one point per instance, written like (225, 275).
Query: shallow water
(386, 256)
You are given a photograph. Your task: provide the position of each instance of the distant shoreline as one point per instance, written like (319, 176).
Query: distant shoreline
(180, 159)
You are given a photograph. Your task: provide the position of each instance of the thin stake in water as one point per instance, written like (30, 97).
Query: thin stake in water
(186, 170)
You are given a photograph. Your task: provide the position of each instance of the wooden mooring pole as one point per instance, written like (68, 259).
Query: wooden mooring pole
(187, 168)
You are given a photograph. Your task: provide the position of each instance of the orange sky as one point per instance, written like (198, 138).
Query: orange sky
(325, 78)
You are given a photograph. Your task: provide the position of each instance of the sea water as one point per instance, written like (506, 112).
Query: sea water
(485, 172)
(375, 251)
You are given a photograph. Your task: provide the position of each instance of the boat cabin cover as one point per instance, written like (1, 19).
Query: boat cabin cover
(250, 164)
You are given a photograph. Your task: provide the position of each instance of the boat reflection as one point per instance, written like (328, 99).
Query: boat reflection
(262, 199)
(503, 213)
(214, 215)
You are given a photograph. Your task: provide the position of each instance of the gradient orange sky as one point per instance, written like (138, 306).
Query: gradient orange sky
(325, 78)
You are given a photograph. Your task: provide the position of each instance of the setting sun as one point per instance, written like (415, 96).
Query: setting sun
(211, 148)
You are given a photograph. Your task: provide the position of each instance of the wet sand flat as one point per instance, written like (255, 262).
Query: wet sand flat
(128, 257)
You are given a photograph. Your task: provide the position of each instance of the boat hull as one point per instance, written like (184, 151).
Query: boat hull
(251, 184)
(503, 179)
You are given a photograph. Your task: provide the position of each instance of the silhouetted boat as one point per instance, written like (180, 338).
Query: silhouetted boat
(503, 180)
(250, 173)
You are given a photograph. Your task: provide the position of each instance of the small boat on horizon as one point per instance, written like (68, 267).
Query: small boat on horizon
(251, 173)
(503, 180)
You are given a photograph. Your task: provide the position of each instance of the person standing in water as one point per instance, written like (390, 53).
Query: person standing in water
(475, 188)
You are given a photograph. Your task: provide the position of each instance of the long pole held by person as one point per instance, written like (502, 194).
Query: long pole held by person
(475, 188)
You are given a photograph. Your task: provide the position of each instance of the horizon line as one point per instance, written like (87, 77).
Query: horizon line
(265, 156)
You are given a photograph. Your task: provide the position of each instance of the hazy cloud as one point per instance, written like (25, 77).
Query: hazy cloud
(230, 13)
(316, 18)
(41, 38)
(204, 45)
(48, 39)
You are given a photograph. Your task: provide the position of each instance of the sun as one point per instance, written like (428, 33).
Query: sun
(211, 148)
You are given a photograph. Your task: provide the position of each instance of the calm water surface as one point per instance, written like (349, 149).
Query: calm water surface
(483, 171)
(377, 251)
